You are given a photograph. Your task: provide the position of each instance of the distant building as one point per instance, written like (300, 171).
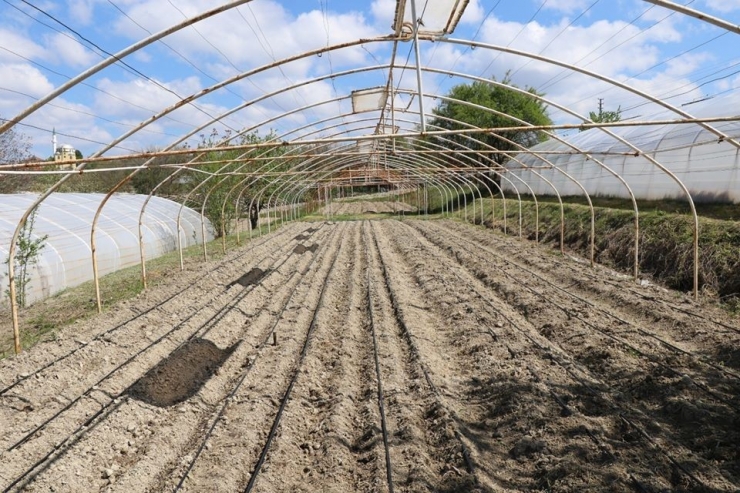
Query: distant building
(64, 153)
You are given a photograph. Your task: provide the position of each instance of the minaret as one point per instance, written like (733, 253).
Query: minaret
(54, 142)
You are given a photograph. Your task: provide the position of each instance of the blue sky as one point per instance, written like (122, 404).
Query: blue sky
(649, 48)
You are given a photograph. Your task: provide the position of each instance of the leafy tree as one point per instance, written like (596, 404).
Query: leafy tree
(501, 99)
(605, 116)
(219, 188)
(14, 147)
(28, 250)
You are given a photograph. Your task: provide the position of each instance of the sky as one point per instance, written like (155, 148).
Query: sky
(43, 44)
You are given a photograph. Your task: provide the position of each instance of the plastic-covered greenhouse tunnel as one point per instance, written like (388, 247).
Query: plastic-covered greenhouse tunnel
(371, 245)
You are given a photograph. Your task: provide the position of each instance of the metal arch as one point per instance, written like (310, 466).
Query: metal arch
(325, 50)
(323, 157)
(697, 14)
(348, 162)
(603, 78)
(373, 120)
(557, 193)
(616, 83)
(587, 155)
(115, 58)
(111, 145)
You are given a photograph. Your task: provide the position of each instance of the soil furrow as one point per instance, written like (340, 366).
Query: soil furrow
(407, 356)
(235, 444)
(425, 447)
(116, 381)
(328, 435)
(624, 373)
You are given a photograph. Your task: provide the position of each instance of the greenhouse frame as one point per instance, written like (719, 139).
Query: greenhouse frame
(262, 138)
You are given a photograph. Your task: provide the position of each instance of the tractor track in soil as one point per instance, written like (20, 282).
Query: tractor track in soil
(381, 356)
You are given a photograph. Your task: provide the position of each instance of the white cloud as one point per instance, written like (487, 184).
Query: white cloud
(65, 50)
(140, 98)
(723, 6)
(18, 43)
(24, 78)
(253, 34)
(473, 13)
(81, 11)
(567, 6)
(383, 11)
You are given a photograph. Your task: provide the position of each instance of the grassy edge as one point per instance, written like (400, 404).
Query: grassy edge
(43, 320)
(666, 252)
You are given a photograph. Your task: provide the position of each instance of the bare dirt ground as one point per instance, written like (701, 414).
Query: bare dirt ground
(368, 207)
(382, 356)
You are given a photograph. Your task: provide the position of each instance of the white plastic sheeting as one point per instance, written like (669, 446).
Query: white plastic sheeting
(65, 259)
(710, 169)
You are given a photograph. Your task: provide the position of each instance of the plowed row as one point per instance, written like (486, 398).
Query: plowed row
(382, 356)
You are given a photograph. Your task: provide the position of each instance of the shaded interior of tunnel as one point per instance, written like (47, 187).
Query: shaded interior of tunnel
(180, 375)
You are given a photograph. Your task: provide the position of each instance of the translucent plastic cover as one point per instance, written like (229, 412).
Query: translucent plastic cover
(65, 218)
(709, 167)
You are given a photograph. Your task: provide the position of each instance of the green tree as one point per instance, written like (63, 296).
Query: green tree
(237, 161)
(28, 250)
(605, 116)
(503, 100)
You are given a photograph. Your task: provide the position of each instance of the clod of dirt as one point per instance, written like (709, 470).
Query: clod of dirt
(179, 376)
(301, 237)
(299, 249)
(250, 278)
(527, 447)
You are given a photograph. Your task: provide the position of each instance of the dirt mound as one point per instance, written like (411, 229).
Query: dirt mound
(300, 249)
(252, 277)
(180, 375)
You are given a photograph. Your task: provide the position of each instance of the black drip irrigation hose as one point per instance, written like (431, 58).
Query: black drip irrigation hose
(294, 377)
(249, 365)
(135, 317)
(616, 339)
(118, 399)
(381, 398)
(90, 424)
(551, 356)
(208, 323)
(400, 319)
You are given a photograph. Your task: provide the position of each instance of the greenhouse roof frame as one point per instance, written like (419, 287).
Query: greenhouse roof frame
(322, 143)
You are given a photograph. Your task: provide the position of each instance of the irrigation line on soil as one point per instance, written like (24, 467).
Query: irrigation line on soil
(208, 323)
(619, 340)
(117, 400)
(61, 447)
(400, 320)
(247, 369)
(381, 406)
(195, 282)
(651, 298)
(552, 357)
(294, 377)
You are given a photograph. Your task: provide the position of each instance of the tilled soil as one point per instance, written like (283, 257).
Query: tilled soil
(368, 207)
(382, 356)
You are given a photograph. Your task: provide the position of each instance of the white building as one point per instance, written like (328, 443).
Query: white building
(64, 153)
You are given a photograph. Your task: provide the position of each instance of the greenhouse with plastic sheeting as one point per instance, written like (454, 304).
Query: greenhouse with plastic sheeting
(63, 223)
(650, 159)
(401, 245)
